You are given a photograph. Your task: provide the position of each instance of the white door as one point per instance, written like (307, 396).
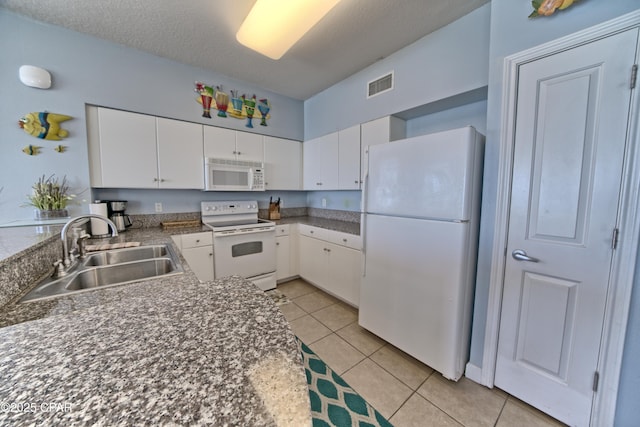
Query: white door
(571, 123)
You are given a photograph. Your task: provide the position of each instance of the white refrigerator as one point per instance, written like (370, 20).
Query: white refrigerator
(421, 204)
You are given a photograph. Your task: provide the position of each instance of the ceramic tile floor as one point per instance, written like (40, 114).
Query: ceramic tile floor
(407, 392)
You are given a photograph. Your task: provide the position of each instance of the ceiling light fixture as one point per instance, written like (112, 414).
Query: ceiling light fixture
(273, 26)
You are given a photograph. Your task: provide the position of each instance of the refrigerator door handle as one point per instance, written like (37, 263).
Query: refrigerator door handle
(363, 223)
(363, 228)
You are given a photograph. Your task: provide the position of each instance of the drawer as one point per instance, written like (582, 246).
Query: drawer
(344, 239)
(282, 230)
(197, 239)
(311, 231)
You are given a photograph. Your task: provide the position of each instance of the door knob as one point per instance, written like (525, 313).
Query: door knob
(520, 255)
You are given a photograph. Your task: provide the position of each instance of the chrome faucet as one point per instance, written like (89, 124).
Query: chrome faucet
(67, 257)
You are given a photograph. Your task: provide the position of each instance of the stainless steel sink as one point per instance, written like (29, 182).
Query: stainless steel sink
(120, 273)
(111, 268)
(119, 256)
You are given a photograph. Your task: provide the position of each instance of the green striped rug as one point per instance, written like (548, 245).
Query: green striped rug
(333, 402)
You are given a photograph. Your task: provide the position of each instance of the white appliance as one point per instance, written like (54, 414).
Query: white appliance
(420, 228)
(243, 244)
(233, 175)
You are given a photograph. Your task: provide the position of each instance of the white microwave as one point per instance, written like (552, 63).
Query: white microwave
(233, 175)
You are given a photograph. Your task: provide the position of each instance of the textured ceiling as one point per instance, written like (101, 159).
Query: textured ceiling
(352, 36)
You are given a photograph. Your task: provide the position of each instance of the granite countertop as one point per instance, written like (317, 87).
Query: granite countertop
(164, 351)
(330, 224)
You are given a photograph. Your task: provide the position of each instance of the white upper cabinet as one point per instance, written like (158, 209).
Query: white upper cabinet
(349, 158)
(332, 162)
(249, 146)
(219, 143)
(180, 160)
(379, 131)
(131, 150)
(320, 163)
(222, 143)
(282, 163)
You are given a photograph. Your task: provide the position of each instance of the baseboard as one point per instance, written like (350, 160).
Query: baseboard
(473, 372)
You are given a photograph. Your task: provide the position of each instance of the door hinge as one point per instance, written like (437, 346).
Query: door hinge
(596, 380)
(634, 75)
(614, 238)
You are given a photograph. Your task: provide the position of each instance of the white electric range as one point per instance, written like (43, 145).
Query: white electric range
(243, 244)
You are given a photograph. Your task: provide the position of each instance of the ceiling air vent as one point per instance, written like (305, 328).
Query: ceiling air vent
(380, 85)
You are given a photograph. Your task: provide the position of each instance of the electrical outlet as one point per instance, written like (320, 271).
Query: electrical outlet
(158, 207)
(324, 202)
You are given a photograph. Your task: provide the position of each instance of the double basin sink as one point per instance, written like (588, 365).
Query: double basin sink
(110, 268)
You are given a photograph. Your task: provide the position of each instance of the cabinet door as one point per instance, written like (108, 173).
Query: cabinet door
(283, 163)
(329, 158)
(379, 131)
(219, 143)
(344, 273)
(320, 163)
(200, 259)
(349, 158)
(283, 268)
(180, 159)
(249, 147)
(294, 252)
(313, 260)
(128, 156)
(311, 167)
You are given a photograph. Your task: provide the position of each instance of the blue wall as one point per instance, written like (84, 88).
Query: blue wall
(446, 63)
(89, 70)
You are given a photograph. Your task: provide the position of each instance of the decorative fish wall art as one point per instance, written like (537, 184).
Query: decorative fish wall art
(44, 125)
(31, 150)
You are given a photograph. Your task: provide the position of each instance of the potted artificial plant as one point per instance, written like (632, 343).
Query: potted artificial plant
(50, 197)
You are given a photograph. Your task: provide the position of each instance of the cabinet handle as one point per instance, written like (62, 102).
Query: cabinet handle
(277, 243)
(318, 183)
(162, 180)
(155, 180)
(344, 240)
(235, 152)
(311, 231)
(210, 254)
(197, 240)
(356, 182)
(239, 153)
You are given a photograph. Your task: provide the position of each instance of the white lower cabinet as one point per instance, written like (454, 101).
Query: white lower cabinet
(286, 251)
(197, 250)
(332, 261)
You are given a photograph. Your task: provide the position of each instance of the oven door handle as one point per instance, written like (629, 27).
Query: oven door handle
(243, 233)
